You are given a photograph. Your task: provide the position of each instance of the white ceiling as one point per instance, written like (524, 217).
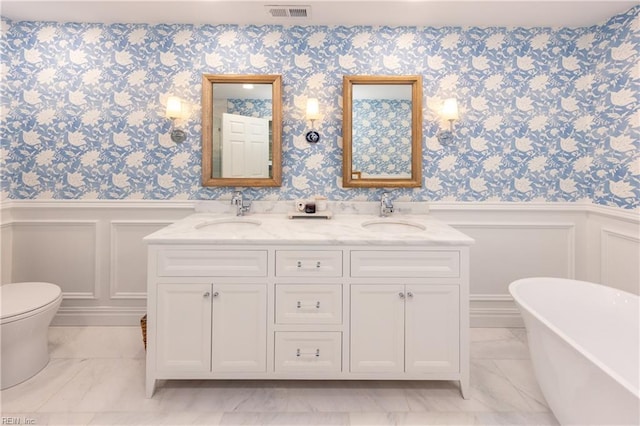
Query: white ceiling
(435, 13)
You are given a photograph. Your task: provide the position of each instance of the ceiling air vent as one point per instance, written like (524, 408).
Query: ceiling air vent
(288, 11)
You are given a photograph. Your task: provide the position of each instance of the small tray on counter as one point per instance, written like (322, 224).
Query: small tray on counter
(317, 215)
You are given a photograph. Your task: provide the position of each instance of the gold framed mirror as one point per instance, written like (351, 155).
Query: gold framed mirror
(241, 130)
(382, 131)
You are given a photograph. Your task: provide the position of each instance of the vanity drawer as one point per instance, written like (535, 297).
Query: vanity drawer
(214, 263)
(311, 263)
(308, 351)
(308, 304)
(405, 263)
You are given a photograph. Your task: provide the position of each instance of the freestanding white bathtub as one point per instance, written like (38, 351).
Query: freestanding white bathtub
(585, 348)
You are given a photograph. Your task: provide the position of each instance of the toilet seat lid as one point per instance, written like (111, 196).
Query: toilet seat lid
(20, 298)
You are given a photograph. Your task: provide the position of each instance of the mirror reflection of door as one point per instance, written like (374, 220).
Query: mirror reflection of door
(241, 138)
(245, 146)
(381, 131)
(217, 146)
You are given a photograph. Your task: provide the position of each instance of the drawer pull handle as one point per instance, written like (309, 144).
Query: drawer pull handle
(299, 305)
(299, 264)
(409, 294)
(299, 353)
(401, 294)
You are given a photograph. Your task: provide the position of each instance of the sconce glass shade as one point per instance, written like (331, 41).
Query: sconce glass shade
(174, 107)
(174, 111)
(313, 109)
(449, 112)
(450, 109)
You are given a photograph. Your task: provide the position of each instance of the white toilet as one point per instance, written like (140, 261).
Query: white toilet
(27, 310)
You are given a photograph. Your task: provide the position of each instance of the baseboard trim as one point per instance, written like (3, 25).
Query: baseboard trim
(98, 316)
(108, 316)
(495, 317)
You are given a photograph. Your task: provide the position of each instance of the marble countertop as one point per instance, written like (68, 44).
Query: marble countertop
(341, 229)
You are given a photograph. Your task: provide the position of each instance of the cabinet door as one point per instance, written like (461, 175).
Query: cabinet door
(184, 328)
(432, 329)
(239, 328)
(377, 328)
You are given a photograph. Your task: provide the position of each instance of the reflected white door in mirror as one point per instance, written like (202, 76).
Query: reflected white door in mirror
(241, 130)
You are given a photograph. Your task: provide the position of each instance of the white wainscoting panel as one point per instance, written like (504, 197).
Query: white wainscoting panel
(505, 252)
(6, 252)
(61, 252)
(620, 260)
(128, 278)
(92, 248)
(94, 251)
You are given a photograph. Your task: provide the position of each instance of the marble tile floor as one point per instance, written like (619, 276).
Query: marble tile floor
(96, 377)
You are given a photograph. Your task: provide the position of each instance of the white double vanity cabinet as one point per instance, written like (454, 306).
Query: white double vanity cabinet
(265, 297)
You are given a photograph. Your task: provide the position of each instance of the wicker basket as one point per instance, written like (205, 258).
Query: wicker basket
(143, 325)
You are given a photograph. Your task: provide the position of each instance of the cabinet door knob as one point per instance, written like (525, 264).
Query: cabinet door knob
(401, 294)
(216, 294)
(207, 294)
(409, 294)
(299, 264)
(318, 264)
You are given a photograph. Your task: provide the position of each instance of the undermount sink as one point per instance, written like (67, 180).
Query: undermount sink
(393, 226)
(229, 224)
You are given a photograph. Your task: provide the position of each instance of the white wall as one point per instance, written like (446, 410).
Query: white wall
(94, 251)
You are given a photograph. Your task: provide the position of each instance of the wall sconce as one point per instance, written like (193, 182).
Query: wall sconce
(175, 110)
(449, 112)
(313, 113)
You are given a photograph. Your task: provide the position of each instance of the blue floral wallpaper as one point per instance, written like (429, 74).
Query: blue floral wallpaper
(546, 114)
(374, 152)
(250, 107)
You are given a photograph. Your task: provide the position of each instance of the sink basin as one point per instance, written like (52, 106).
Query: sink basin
(393, 226)
(229, 224)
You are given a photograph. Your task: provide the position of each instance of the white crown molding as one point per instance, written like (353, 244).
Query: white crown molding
(98, 204)
(632, 216)
(507, 206)
(583, 206)
(434, 13)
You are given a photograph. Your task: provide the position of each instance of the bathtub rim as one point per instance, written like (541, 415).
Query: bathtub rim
(513, 290)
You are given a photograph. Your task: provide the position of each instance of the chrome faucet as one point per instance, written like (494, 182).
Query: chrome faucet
(386, 206)
(242, 205)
